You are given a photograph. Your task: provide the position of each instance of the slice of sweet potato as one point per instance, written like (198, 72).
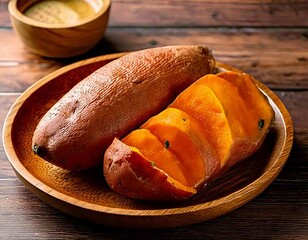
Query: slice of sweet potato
(247, 109)
(182, 135)
(128, 172)
(202, 104)
(155, 151)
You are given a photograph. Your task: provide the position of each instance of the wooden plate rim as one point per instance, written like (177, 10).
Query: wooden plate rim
(265, 179)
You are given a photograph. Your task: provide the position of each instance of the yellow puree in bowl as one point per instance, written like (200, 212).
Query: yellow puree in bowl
(60, 11)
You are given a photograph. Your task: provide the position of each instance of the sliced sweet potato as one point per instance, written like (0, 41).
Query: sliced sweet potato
(215, 123)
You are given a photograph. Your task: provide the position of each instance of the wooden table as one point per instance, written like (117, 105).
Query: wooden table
(268, 39)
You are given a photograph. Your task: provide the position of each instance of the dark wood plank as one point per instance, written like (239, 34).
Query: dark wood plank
(277, 57)
(275, 214)
(17, 76)
(199, 13)
(6, 101)
(279, 211)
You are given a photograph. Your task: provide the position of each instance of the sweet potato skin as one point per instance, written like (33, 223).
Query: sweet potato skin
(128, 173)
(115, 99)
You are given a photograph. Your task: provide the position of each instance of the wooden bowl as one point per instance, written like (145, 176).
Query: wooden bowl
(59, 40)
(86, 194)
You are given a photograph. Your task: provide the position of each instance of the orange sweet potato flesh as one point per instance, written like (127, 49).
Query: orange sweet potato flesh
(184, 138)
(249, 117)
(203, 105)
(114, 100)
(230, 114)
(215, 123)
(141, 139)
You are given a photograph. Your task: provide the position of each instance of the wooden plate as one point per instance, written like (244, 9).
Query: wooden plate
(86, 194)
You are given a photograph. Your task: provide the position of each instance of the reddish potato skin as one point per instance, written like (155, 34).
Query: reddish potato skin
(128, 173)
(115, 99)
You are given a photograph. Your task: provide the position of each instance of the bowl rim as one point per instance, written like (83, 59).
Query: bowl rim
(14, 12)
(244, 194)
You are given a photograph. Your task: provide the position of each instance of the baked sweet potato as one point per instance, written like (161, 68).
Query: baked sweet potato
(216, 122)
(115, 99)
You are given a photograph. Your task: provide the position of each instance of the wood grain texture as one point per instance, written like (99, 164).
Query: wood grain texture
(240, 224)
(277, 57)
(210, 13)
(199, 13)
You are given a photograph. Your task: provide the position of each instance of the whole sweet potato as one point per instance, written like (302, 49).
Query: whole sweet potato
(215, 123)
(115, 99)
